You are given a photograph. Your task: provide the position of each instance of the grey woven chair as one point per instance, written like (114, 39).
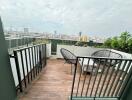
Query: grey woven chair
(107, 54)
(69, 57)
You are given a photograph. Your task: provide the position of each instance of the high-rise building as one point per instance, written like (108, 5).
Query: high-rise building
(26, 30)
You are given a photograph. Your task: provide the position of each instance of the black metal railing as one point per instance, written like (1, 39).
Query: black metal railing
(13, 43)
(96, 77)
(29, 62)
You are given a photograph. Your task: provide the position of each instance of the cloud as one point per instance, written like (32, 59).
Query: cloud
(96, 17)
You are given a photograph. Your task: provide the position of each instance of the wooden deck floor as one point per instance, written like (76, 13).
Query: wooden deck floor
(54, 83)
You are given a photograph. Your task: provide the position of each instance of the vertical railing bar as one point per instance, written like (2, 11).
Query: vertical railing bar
(39, 66)
(18, 70)
(45, 55)
(104, 64)
(108, 78)
(23, 69)
(125, 82)
(90, 79)
(79, 77)
(85, 76)
(30, 63)
(43, 58)
(41, 51)
(40, 63)
(115, 78)
(32, 49)
(27, 65)
(36, 53)
(35, 60)
(98, 66)
(73, 83)
(104, 79)
(38, 59)
(118, 86)
(109, 88)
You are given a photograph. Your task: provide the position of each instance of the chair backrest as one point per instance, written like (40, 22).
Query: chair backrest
(106, 53)
(68, 56)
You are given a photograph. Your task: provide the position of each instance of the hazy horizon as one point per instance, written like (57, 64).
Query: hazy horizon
(92, 17)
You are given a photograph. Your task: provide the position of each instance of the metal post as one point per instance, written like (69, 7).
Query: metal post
(74, 79)
(18, 71)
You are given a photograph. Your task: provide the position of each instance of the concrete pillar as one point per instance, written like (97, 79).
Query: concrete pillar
(7, 85)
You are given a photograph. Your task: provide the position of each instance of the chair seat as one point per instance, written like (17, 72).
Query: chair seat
(68, 56)
(88, 65)
(71, 61)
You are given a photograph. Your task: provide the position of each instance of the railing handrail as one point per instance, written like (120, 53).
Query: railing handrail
(108, 58)
(18, 49)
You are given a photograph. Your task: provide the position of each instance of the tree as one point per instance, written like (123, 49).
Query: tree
(130, 45)
(114, 43)
(107, 43)
(125, 36)
(123, 42)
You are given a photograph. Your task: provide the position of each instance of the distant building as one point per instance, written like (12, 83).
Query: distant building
(26, 30)
(83, 38)
(80, 34)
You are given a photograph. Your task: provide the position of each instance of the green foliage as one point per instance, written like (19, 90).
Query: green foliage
(39, 41)
(85, 45)
(79, 43)
(107, 43)
(130, 45)
(114, 43)
(123, 42)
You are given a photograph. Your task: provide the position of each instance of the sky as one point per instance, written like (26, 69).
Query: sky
(91, 17)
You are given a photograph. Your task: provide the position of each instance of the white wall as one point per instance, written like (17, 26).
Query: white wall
(84, 51)
(78, 51)
(87, 51)
(125, 55)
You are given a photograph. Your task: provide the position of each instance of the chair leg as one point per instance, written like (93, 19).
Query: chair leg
(71, 68)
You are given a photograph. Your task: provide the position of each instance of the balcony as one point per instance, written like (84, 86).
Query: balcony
(30, 72)
(39, 78)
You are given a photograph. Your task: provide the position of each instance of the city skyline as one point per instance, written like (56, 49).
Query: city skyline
(91, 17)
